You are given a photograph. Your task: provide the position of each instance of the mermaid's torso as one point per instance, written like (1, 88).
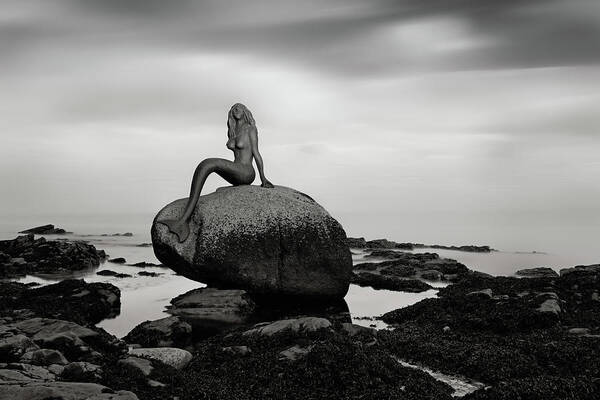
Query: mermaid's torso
(242, 151)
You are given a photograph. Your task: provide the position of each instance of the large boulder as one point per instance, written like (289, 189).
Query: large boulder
(267, 241)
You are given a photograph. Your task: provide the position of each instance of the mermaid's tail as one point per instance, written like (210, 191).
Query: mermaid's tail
(178, 227)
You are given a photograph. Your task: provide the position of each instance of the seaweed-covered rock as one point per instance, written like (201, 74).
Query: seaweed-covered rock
(389, 282)
(267, 241)
(72, 299)
(31, 256)
(164, 332)
(538, 272)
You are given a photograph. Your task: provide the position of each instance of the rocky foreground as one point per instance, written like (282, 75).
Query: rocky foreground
(536, 337)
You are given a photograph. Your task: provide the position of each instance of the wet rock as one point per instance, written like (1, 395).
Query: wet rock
(296, 325)
(484, 292)
(237, 350)
(151, 274)
(13, 346)
(295, 353)
(141, 365)
(593, 269)
(266, 241)
(144, 264)
(550, 306)
(467, 248)
(538, 272)
(388, 282)
(81, 371)
(45, 230)
(354, 330)
(23, 373)
(381, 244)
(579, 331)
(356, 243)
(41, 256)
(108, 272)
(164, 332)
(44, 357)
(118, 260)
(176, 358)
(403, 265)
(71, 299)
(210, 309)
(63, 390)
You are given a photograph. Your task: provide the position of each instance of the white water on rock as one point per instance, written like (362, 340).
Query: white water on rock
(462, 386)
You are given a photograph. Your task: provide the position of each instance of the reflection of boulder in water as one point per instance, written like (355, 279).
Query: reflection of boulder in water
(266, 241)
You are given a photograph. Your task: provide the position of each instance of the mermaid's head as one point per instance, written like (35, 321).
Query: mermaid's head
(239, 112)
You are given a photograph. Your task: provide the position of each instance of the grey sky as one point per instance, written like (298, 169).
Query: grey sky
(442, 120)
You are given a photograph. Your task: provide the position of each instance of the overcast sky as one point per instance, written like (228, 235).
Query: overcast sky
(438, 121)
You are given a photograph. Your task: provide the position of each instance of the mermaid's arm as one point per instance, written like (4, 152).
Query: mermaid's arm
(258, 158)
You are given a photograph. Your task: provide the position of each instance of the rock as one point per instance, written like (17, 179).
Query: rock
(467, 248)
(56, 369)
(75, 300)
(108, 272)
(45, 230)
(593, 269)
(81, 371)
(353, 330)
(484, 293)
(550, 306)
(14, 346)
(378, 281)
(75, 342)
(138, 364)
(46, 256)
(446, 329)
(267, 241)
(356, 243)
(164, 332)
(538, 272)
(237, 350)
(153, 383)
(63, 390)
(151, 274)
(212, 309)
(44, 357)
(297, 325)
(579, 331)
(144, 264)
(295, 353)
(176, 358)
(118, 260)
(23, 373)
(381, 244)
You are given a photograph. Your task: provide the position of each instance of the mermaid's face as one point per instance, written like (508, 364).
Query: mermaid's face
(237, 111)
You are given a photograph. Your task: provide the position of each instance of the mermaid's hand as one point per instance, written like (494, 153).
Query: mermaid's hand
(267, 184)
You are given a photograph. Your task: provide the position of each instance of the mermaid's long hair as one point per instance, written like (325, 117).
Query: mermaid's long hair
(247, 117)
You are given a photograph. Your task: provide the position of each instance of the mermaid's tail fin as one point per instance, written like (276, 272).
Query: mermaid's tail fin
(178, 227)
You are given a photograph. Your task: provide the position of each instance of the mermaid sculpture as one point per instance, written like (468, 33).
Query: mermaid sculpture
(243, 141)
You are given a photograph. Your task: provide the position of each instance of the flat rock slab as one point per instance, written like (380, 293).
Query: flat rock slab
(176, 358)
(296, 325)
(62, 390)
(209, 308)
(267, 241)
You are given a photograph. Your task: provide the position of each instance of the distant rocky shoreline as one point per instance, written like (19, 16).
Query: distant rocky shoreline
(362, 243)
